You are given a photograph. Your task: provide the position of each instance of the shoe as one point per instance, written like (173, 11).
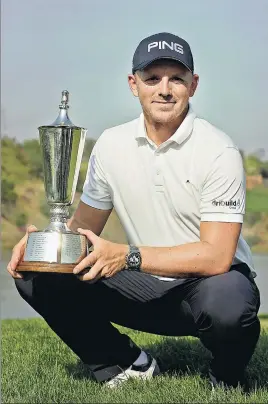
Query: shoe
(143, 372)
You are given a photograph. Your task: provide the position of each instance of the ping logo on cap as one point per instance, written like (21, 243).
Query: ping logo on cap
(163, 44)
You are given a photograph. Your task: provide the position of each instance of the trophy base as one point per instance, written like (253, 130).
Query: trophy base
(53, 252)
(26, 266)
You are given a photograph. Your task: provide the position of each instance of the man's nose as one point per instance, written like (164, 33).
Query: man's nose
(164, 87)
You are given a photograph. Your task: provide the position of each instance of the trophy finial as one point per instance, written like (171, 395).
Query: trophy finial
(64, 100)
(63, 118)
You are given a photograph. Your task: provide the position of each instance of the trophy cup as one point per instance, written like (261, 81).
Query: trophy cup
(57, 249)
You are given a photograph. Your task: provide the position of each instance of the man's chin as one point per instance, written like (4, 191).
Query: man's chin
(163, 117)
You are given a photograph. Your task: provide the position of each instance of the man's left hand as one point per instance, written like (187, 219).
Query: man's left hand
(105, 260)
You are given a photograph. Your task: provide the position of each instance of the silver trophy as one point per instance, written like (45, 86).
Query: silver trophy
(57, 249)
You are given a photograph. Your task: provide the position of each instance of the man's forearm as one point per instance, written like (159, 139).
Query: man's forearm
(187, 260)
(73, 224)
(87, 217)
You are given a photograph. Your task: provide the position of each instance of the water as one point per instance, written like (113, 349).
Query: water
(13, 306)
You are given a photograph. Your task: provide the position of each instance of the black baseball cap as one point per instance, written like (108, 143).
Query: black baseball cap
(162, 46)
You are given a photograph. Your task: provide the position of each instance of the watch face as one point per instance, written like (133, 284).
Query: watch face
(134, 260)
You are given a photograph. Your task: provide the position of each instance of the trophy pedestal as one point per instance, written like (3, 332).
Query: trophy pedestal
(45, 267)
(53, 252)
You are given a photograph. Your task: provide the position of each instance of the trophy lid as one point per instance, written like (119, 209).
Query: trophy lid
(63, 118)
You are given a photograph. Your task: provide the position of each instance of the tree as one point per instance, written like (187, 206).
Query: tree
(252, 165)
(33, 155)
(21, 219)
(15, 166)
(8, 193)
(264, 172)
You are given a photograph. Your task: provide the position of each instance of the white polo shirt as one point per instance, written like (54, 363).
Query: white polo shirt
(161, 193)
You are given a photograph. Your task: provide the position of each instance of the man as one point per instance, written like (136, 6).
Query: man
(178, 186)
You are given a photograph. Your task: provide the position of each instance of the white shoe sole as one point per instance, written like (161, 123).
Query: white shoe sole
(133, 374)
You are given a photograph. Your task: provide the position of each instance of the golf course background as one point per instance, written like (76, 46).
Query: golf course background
(24, 200)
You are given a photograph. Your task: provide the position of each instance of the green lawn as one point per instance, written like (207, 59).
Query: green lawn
(37, 367)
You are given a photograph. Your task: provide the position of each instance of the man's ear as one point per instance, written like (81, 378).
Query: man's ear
(194, 84)
(132, 82)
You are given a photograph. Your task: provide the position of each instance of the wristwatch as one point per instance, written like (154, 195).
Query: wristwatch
(133, 258)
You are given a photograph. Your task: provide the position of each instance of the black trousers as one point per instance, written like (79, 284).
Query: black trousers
(221, 310)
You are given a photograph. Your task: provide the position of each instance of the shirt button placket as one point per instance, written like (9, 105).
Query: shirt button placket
(158, 178)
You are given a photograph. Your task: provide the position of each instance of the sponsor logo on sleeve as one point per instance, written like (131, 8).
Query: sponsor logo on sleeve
(232, 204)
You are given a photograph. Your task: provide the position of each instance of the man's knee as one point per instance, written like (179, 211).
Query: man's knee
(46, 290)
(225, 321)
(39, 286)
(25, 288)
(230, 306)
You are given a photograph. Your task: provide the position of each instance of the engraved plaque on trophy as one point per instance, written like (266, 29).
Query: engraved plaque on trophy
(57, 248)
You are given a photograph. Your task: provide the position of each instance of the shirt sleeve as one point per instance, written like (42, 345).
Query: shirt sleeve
(96, 191)
(223, 195)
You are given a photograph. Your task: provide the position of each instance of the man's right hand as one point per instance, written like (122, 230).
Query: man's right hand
(17, 254)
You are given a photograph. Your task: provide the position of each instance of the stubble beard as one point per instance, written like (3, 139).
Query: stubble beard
(163, 117)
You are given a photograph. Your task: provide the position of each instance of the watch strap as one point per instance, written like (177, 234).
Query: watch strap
(133, 248)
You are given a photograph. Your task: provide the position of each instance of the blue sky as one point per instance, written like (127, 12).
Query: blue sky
(86, 47)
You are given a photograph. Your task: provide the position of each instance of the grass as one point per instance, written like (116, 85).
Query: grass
(37, 367)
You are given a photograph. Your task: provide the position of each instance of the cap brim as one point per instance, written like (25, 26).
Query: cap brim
(145, 64)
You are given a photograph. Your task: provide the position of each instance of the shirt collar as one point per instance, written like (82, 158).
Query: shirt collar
(182, 133)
